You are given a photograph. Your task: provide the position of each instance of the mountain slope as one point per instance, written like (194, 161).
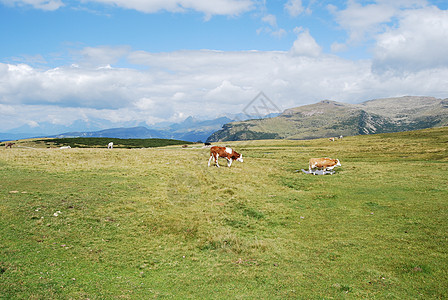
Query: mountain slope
(190, 129)
(330, 118)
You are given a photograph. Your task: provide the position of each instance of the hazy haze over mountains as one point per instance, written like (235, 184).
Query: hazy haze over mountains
(191, 129)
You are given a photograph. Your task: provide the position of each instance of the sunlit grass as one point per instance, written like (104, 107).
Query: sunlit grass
(148, 223)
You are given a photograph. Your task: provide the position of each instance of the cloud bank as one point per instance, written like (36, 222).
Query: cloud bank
(204, 83)
(408, 44)
(418, 43)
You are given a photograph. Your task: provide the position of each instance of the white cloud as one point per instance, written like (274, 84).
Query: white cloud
(364, 21)
(279, 33)
(270, 19)
(305, 44)
(294, 7)
(33, 123)
(273, 28)
(420, 41)
(38, 4)
(208, 7)
(145, 103)
(101, 56)
(69, 87)
(7, 110)
(338, 47)
(228, 93)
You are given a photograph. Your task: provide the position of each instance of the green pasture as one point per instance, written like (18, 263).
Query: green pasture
(92, 223)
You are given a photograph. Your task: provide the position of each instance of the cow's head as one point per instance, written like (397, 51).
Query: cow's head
(338, 163)
(237, 156)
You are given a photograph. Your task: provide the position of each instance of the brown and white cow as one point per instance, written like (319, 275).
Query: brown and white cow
(224, 152)
(324, 164)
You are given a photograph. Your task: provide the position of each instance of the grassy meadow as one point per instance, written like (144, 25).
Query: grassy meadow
(91, 223)
(96, 142)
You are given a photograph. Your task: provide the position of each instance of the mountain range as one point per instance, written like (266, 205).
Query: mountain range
(331, 119)
(323, 119)
(191, 129)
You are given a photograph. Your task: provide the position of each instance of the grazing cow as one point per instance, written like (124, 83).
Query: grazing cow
(9, 145)
(323, 163)
(110, 145)
(184, 146)
(331, 139)
(224, 152)
(340, 137)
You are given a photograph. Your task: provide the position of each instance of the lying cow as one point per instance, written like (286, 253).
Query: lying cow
(224, 152)
(323, 164)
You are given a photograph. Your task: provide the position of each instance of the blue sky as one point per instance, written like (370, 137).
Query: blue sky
(150, 61)
(268, 26)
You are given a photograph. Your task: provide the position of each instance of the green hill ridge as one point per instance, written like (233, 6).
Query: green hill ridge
(330, 118)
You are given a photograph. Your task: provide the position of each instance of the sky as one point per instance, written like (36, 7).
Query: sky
(151, 61)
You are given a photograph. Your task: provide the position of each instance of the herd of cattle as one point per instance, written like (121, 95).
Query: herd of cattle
(323, 164)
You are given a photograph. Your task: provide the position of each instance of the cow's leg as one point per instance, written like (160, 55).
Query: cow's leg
(216, 160)
(210, 159)
(229, 162)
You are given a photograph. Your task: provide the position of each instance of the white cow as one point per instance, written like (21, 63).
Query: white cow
(110, 145)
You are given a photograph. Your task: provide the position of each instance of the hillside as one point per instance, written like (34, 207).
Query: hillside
(331, 118)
